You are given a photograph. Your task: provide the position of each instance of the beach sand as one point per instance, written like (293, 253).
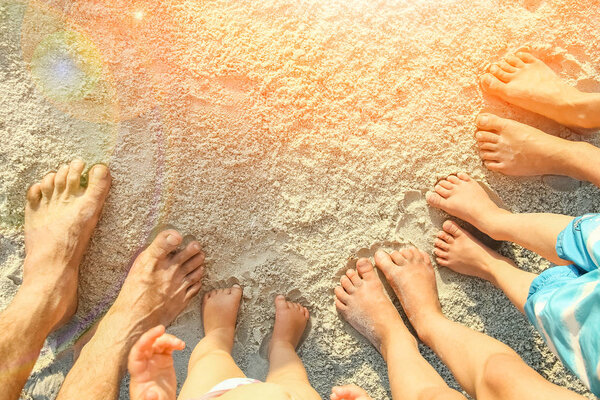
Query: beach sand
(289, 137)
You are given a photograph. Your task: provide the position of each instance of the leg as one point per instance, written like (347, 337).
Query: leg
(527, 82)
(60, 217)
(513, 148)
(461, 252)
(211, 362)
(286, 368)
(485, 367)
(464, 198)
(362, 302)
(160, 284)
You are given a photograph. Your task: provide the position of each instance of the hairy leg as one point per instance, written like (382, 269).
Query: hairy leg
(458, 250)
(211, 362)
(464, 198)
(160, 284)
(362, 302)
(484, 367)
(60, 217)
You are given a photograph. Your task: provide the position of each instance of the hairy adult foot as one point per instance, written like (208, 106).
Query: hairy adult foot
(349, 392)
(290, 323)
(60, 217)
(160, 284)
(464, 198)
(410, 273)
(513, 148)
(219, 313)
(527, 82)
(362, 302)
(458, 250)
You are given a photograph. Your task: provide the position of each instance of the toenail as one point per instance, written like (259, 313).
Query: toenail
(100, 172)
(236, 286)
(172, 240)
(483, 120)
(196, 246)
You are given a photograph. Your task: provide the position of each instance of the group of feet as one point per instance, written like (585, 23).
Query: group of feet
(61, 215)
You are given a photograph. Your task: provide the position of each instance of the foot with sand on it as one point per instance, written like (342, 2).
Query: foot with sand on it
(526, 81)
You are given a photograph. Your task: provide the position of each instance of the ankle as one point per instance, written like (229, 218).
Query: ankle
(584, 109)
(493, 224)
(223, 337)
(425, 325)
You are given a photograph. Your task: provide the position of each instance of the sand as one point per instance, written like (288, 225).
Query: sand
(289, 137)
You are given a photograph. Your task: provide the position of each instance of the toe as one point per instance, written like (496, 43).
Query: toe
(339, 305)
(354, 278)
(490, 122)
(440, 253)
(442, 261)
(435, 200)
(500, 73)
(60, 179)
(164, 244)
(442, 191)
(514, 61)
(487, 146)
(99, 181)
(193, 291)
(384, 262)
(506, 66)
(34, 195)
(494, 166)
(446, 184)
(347, 284)
(492, 84)
(196, 276)
(526, 57)
(452, 229)
(445, 237)
(341, 294)
(47, 185)
(463, 176)
(489, 156)
(192, 249)
(74, 176)
(442, 245)
(280, 302)
(453, 178)
(365, 269)
(487, 137)
(193, 263)
(397, 258)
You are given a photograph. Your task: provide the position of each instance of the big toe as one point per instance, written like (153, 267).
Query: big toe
(99, 181)
(490, 122)
(492, 84)
(365, 269)
(384, 262)
(164, 244)
(281, 303)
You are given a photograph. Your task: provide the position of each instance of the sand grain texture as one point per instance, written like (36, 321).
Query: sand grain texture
(289, 137)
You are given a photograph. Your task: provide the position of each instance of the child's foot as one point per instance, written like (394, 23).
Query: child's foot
(151, 366)
(462, 253)
(362, 302)
(513, 148)
(527, 82)
(290, 322)
(219, 313)
(464, 198)
(349, 392)
(410, 274)
(60, 217)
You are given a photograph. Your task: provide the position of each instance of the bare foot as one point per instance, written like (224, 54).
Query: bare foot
(60, 217)
(513, 148)
(151, 366)
(362, 302)
(349, 392)
(160, 284)
(464, 198)
(462, 253)
(290, 322)
(410, 274)
(527, 82)
(219, 313)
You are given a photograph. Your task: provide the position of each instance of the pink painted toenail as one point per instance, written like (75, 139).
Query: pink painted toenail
(172, 240)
